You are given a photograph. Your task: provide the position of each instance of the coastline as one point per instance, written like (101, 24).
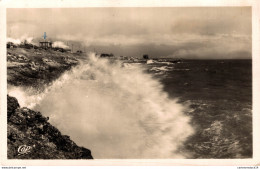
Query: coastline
(30, 135)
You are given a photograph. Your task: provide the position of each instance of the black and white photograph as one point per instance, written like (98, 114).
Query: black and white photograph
(127, 83)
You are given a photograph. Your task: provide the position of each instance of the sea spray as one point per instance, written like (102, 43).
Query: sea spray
(117, 111)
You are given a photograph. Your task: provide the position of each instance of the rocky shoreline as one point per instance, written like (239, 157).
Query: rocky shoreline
(37, 67)
(30, 135)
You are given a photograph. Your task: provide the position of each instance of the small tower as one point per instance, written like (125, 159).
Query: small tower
(45, 44)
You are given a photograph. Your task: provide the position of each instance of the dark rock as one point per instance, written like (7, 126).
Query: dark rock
(12, 105)
(145, 56)
(30, 131)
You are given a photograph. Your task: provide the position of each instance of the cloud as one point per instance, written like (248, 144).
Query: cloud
(186, 46)
(181, 31)
(218, 47)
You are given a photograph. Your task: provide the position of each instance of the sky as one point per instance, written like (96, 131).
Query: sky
(177, 32)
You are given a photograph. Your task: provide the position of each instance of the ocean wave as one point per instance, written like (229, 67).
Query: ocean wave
(115, 111)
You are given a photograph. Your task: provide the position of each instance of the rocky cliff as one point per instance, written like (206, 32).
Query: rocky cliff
(31, 136)
(37, 67)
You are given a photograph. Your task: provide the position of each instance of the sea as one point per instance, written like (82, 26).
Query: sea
(219, 95)
(154, 109)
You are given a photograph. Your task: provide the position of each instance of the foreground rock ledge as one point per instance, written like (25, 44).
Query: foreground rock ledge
(31, 136)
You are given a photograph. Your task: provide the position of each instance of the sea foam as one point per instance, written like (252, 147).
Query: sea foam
(114, 110)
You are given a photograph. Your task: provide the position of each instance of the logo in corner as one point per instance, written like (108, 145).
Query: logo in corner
(24, 149)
